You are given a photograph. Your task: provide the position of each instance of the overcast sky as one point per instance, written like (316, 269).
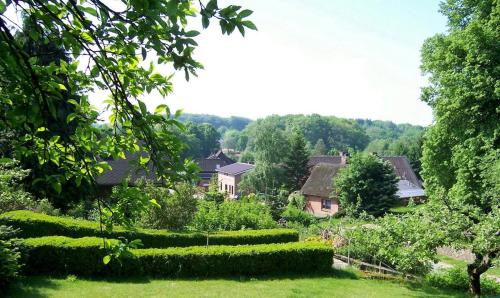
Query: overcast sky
(347, 58)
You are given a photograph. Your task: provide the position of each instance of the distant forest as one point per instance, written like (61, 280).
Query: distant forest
(324, 135)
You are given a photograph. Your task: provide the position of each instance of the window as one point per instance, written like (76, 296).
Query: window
(221, 186)
(225, 187)
(326, 204)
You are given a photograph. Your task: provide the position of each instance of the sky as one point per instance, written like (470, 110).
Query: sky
(346, 58)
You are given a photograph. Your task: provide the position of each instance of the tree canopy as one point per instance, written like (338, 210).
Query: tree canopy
(367, 184)
(115, 48)
(460, 162)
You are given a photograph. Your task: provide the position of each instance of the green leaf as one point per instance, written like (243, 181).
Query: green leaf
(70, 117)
(249, 25)
(89, 10)
(56, 185)
(192, 33)
(154, 203)
(106, 259)
(143, 108)
(62, 87)
(205, 21)
(160, 109)
(245, 13)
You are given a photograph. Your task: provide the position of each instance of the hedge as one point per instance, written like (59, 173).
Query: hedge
(83, 256)
(34, 224)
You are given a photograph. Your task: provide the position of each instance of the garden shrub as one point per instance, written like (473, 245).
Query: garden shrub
(294, 215)
(175, 211)
(83, 256)
(36, 225)
(9, 257)
(12, 194)
(232, 215)
(457, 278)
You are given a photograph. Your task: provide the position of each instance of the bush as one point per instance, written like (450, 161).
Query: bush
(232, 215)
(12, 194)
(294, 215)
(62, 255)
(176, 210)
(457, 278)
(37, 225)
(9, 257)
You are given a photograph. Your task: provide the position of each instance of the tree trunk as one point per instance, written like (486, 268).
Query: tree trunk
(474, 281)
(479, 266)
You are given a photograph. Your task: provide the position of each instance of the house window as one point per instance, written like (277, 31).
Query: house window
(221, 186)
(225, 187)
(326, 204)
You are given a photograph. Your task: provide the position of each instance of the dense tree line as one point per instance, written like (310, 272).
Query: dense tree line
(220, 123)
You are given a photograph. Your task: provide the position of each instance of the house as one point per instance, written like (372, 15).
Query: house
(324, 168)
(210, 165)
(127, 168)
(230, 176)
(318, 189)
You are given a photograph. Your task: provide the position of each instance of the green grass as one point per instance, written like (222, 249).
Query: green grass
(345, 284)
(463, 264)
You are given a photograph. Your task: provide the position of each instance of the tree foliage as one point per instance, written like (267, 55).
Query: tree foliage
(115, 49)
(460, 162)
(296, 162)
(366, 184)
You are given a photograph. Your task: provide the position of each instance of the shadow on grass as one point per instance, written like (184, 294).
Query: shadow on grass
(335, 273)
(423, 290)
(30, 287)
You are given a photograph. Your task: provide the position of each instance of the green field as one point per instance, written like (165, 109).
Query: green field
(341, 285)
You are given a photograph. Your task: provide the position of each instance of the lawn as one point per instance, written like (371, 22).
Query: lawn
(495, 270)
(338, 285)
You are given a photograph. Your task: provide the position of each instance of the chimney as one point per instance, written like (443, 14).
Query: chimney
(344, 157)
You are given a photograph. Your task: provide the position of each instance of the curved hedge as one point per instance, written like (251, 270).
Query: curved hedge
(83, 256)
(34, 224)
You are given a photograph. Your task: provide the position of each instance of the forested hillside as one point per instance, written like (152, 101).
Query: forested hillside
(323, 135)
(219, 123)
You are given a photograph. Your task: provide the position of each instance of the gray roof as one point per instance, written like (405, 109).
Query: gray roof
(406, 189)
(123, 168)
(209, 165)
(235, 168)
(332, 159)
(220, 155)
(320, 181)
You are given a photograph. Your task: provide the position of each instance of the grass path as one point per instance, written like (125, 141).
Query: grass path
(346, 285)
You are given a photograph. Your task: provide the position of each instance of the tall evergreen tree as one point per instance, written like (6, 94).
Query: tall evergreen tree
(296, 169)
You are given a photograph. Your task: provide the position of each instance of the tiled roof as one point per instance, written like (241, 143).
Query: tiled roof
(123, 168)
(220, 155)
(320, 181)
(210, 165)
(235, 168)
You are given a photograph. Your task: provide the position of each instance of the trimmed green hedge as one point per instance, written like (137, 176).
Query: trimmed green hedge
(34, 224)
(83, 256)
